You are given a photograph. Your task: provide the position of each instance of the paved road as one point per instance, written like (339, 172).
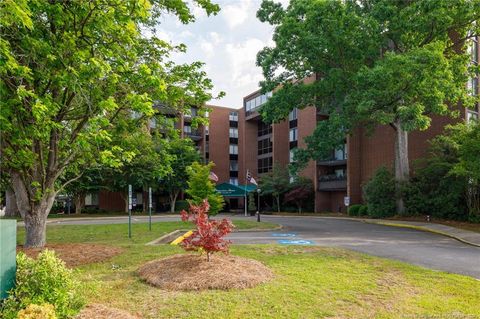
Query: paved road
(412, 246)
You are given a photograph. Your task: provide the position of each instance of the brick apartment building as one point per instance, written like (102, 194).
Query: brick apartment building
(237, 140)
(348, 167)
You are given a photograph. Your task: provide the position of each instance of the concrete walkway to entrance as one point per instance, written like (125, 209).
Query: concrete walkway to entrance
(465, 236)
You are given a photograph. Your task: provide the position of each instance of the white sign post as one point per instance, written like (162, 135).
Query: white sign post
(129, 211)
(346, 201)
(150, 208)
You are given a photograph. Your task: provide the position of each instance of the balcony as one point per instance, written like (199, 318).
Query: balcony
(332, 182)
(195, 135)
(252, 114)
(333, 161)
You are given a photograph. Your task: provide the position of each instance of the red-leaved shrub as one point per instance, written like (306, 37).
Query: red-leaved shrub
(208, 236)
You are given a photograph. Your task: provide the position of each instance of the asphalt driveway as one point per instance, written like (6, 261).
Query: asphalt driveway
(408, 245)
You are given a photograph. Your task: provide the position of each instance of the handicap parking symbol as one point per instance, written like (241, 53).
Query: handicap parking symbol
(284, 235)
(295, 242)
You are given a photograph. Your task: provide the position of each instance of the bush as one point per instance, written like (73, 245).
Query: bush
(379, 193)
(41, 281)
(93, 210)
(45, 311)
(181, 205)
(208, 237)
(353, 210)
(363, 211)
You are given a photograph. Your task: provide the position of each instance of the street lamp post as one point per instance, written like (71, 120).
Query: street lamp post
(258, 205)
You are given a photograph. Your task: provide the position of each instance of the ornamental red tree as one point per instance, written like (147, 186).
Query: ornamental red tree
(208, 236)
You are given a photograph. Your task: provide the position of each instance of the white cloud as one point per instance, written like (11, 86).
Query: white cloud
(236, 14)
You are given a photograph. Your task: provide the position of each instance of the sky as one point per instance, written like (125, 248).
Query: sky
(227, 43)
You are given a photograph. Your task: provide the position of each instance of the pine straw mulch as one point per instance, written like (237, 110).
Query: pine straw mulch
(193, 272)
(76, 254)
(98, 311)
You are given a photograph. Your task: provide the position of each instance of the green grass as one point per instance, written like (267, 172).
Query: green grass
(118, 233)
(311, 282)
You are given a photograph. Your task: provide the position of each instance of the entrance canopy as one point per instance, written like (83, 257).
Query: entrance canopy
(230, 190)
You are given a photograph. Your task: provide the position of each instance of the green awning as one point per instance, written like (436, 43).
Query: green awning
(230, 190)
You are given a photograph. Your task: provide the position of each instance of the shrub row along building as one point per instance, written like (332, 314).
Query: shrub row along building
(237, 140)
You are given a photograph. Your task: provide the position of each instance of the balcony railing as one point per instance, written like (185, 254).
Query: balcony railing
(195, 135)
(333, 161)
(332, 182)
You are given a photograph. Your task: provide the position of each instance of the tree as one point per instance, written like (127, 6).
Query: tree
(183, 154)
(376, 62)
(71, 72)
(379, 193)
(208, 237)
(466, 139)
(300, 190)
(201, 188)
(275, 183)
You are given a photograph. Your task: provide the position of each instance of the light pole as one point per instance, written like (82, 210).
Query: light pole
(258, 205)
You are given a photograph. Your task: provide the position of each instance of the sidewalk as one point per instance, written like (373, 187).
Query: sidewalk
(465, 236)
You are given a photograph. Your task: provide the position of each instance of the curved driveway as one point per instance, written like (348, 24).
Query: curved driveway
(409, 245)
(412, 246)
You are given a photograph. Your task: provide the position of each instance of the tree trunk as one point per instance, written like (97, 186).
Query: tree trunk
(278, 203)
(11, 208)
(173, 201)
(34, 212)
(79, 202)
(402, 167)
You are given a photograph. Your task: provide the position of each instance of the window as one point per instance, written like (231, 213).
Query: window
(193, 112)
(233, 132)
(233, 149)
(187, 129)
(265, 165)
(472, 116)
(206, 130)
(473, 49)
(233, 180)
(257, 101)
(340, 173)
(264, 129)
(234, 166)
(293, 115)
(91, 199)
(472, 86)
(233, 116)
(291, 155)
(293, 136)
(340, 153)
(264, 146)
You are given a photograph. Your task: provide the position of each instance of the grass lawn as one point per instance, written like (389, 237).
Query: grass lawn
(311, 282)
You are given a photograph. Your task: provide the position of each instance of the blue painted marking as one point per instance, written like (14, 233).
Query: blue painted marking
(295, 242)
(284, 235)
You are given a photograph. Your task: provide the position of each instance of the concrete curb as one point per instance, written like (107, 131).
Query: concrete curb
(167, 238)
(421, 228)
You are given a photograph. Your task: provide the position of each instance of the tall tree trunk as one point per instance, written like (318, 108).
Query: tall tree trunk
(173, 201)
(11, 208)
(34, 212)
(79, 199)
(402, 167)
(278, 203)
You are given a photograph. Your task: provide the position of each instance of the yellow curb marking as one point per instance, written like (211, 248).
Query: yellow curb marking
(178, 240)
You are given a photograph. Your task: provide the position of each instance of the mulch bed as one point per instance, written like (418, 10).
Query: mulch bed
(76, 254)
(193, 272)
(98, 311)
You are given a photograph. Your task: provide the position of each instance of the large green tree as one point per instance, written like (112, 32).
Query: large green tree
(182, 154)
(275, 183)
(200, 187)
(70, 72)
(376, 62)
